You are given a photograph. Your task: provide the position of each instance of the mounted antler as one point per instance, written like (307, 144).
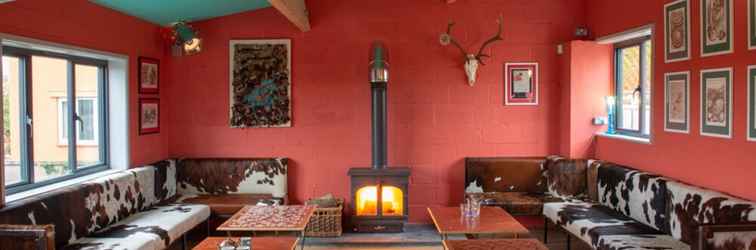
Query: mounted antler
(447, 39)
(471, 60)
(496, 38)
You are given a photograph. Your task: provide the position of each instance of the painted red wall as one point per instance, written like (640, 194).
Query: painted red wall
(721, 164)
(83, 24)
(586, 68)
(436, 119)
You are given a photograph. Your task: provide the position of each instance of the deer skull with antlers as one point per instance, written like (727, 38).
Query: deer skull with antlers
(471, 60)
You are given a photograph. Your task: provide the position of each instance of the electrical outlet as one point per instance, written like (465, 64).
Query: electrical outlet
(600, 120)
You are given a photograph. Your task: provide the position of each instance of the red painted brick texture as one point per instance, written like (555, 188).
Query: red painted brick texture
(436, 119)
(722, 164)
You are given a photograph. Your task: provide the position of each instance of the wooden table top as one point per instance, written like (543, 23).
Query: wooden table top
(494, 244)
(261, 243)
(492, 220)
(269, 218)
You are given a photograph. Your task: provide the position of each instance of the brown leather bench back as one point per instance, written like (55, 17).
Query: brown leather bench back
(505, 174)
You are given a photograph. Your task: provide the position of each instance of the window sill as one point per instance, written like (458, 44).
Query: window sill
(626, 138)
(51, 187)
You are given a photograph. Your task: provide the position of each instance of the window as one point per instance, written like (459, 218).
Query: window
(39, 119)
(633, 87)
(86, 122)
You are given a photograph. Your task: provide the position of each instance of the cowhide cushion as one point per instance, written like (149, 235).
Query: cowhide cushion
(153, 229)
(79, 210)
(117, 196)
(590, 221)
(165, 180)
(224, 176)
(592, 179)
(63, 208)
(745, 240)
(636, 194)
(566, 178)
(640, 242)
(692, 206)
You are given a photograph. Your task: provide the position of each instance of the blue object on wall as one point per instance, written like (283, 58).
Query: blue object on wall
(611, 104)
(166, 12)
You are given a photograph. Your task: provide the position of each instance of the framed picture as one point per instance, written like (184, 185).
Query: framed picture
(751, 103)
(716, 27)
(677, 31)
(752, 24)
(521, 84)
(677, 102)
(149, 116)
(260, 83)
(716, 102)
(149, 75)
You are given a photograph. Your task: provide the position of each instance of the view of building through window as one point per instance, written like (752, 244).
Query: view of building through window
(49, 146)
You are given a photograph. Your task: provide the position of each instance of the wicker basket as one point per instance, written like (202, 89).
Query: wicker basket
(326, 222)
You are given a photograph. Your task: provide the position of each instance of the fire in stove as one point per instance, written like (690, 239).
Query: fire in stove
(366, 201)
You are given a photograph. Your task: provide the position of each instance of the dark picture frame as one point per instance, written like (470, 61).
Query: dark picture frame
(677, 102)
(149, 75)
(716, 38)
(149, 116)
(751, 74)
(677, 31)
(716, 103)
(752, 24)
(521, 84)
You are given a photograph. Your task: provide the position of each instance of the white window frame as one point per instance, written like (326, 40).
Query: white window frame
(62, 141)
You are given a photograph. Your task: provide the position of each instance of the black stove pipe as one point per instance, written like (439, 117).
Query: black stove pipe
(378, 80)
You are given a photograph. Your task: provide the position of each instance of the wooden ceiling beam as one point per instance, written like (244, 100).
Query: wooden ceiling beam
(295, 11)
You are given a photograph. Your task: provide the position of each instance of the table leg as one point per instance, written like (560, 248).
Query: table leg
(303, 239)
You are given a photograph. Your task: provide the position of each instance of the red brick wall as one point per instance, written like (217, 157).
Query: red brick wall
(84, 24)
(722, 164)
(436, 119)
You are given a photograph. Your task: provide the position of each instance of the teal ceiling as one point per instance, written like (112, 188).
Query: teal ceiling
(165, 12)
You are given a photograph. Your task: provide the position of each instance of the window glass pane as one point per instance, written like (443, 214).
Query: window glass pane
(88, 148)
(12, 119)
(629, 89)
(647, 49)
(85, 126)
(49, 86)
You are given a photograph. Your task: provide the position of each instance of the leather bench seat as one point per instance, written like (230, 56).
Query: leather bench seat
(156, 228)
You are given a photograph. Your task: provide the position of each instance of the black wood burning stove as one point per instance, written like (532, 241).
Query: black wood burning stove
(379, 193)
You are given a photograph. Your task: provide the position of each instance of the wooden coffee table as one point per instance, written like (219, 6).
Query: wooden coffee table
(492, 220)
(261, 243)
(494, 244)
(270, 219)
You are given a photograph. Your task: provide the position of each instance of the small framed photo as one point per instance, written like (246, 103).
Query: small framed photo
(677, 31)
(677, 102)
(149, 75)
(716, 27)
(716, 102)
(751, 103)
(752, 24)
(521, 84)
(149, 116)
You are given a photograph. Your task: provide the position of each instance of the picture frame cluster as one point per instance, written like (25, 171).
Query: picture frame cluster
(716, 84)
(149, 90)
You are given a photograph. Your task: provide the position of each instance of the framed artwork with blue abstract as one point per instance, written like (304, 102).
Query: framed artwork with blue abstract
(260, 76)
